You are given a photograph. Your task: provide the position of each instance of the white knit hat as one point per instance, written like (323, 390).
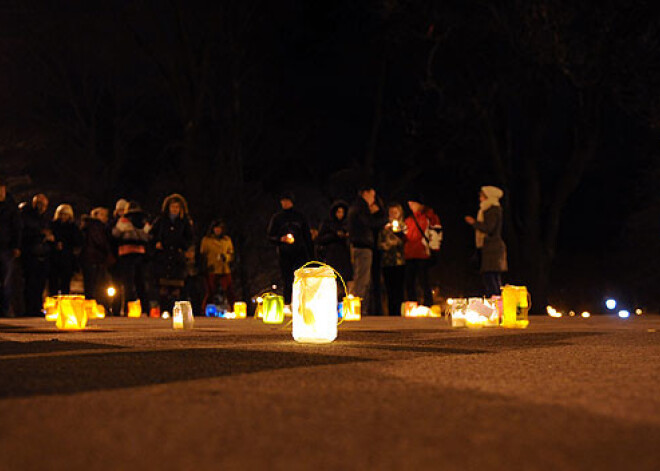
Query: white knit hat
(492, 192)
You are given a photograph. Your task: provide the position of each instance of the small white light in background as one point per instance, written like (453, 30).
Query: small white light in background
(586, 314)
(610, 304)
(623, 314)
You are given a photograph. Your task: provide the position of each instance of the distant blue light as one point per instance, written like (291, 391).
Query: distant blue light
(623, 314)
(211, 310)
(610, 304)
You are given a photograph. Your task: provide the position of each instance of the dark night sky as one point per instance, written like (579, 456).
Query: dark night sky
(108, 87)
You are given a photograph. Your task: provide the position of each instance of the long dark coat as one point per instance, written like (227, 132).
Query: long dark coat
(333, 242)
(493, 252)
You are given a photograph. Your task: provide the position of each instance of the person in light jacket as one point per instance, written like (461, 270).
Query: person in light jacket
(488, 238)
(217, 252)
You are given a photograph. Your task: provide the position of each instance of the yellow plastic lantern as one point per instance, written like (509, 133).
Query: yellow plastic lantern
(72, 314)
(272, 309)
(240, 310)
(182, 315)
(93, 310)
(352, 308)
(515, 306)
(259, 312)
(51, 308)
(407, 308)
(436, 311)
(314, 305)
(134, 308)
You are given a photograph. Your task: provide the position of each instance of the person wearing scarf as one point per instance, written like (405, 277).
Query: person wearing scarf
(488, 238)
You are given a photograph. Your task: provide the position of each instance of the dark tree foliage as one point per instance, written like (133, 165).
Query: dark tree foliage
(231, 101)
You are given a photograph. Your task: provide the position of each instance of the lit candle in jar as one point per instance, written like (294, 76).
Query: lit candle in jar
(290, 239)
(395, 226)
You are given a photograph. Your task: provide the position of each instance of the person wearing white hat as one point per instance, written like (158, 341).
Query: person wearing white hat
(488, 238)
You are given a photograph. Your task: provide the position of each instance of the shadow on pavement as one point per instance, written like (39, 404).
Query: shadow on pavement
(101, 371)
(473, 345)
(8, 348)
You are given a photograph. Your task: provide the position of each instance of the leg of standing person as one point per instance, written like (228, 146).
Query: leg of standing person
(492, 283)
(394, 281)
(375, 291)
(286, 269)
(6, 278)
(389, 279)
(362, 275)
(36, 274)
(424, 281)
(211, 288)
(54, 278)
(227, 287)
(411, 280)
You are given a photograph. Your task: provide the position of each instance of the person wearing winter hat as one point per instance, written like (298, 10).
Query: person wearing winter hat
(488, 238)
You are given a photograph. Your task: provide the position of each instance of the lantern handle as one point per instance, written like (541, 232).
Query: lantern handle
(322, 264)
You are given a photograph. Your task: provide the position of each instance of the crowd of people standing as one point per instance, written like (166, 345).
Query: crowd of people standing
(156, 260)
(368, 239)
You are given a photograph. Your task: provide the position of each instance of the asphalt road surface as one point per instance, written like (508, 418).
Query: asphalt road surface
(389, 393)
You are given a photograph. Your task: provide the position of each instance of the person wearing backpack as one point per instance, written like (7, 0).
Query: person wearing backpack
(488, 238)
(416, 249)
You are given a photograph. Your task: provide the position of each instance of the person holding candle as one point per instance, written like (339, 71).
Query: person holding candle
(488, 238)
(391, 241)
(365, 217)
(289, 231)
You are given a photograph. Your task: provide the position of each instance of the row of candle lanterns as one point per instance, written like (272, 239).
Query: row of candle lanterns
(314, 309)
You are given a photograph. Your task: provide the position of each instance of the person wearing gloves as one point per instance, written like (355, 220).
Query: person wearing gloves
(488, 238)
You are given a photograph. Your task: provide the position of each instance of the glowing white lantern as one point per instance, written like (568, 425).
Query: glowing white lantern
(610, 304)
(182, 315)
(552, 312)
(352, 308)
(623, 314)
(314, 305)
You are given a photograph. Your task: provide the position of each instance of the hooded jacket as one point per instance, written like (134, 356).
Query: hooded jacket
(333, 241)
(175, 234)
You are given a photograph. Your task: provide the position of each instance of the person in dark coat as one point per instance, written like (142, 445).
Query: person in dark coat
(36, 244)
(172, 236)
(131, 235)
(97, 255)
(10, 243)
(289, 231)
(365, 217)
(66, 248)
(488, 238)
(333, 241)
